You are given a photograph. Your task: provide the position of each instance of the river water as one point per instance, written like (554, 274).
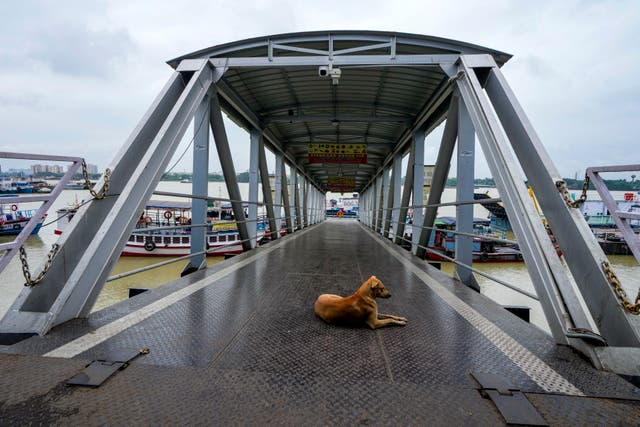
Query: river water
(11, 280)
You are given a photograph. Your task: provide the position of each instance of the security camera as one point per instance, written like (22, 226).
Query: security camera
(323, 71)
(329, 71)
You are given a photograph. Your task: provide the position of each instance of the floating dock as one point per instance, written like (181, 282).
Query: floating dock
(238, 343)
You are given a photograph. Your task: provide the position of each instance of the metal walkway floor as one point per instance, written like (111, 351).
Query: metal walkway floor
(240, 344)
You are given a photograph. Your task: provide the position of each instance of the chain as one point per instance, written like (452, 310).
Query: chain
(620, 292)
(562, 188)
(87, 182)
(47, 265)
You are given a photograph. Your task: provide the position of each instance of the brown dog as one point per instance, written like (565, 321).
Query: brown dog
(358, 309)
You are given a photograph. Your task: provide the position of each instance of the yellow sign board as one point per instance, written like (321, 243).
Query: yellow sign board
(337, 153)
(341, 185)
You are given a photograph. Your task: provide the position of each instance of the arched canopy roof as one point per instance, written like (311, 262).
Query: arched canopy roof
(387, 89)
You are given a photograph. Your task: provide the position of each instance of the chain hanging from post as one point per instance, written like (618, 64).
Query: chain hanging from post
(25, 266)
(562, 188)
(633, 308)
(87, 182)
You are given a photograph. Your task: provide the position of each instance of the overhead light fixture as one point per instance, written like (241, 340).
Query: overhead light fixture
(335, 122)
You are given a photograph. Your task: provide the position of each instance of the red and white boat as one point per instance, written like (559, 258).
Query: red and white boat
(222, 237)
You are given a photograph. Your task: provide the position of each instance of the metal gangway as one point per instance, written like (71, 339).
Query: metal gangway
(386, 91)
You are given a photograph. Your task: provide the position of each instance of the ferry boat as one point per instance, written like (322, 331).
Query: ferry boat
(13, 219)
(597, 216)
(443, 241)
(222, 237)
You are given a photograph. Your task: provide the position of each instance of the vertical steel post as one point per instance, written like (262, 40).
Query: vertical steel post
(396, 188)
(464, 192)
(418, 184)
(199, 186)
(254, 163)
(386, 213)
(406, 195)
(305, 201)
(285, 199)
(440, 174)
(266, 191)
(296, 198)
(378, 204)
(278, 200)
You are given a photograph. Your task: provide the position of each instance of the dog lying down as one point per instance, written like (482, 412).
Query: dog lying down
(358, 309)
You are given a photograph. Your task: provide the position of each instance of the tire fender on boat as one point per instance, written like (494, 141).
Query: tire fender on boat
(168, 214)
(148, 220)
(14, 207)
(484, 257)
(149, 246)
(16, 226)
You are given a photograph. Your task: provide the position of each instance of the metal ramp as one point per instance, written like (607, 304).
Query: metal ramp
(242, 341)
(385, 90)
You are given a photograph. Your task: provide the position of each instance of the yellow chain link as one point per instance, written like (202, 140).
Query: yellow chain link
(25, 266)
(87, 182)
(633, 308)
(564, 191)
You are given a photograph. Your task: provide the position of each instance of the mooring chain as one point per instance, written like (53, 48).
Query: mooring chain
(25, 266)
(87, 182)
(562, 188)
(633, 308)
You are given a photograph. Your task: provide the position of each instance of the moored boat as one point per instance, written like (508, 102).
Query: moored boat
(13, 220)
(222, 236)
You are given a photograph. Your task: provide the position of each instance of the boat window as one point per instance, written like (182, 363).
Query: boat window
(222, 238)
(158, 239)
(232, 237)
(167, 240)
(176, 240)
(132, 238)
(185, 240)
(140, 239)
(213, 239)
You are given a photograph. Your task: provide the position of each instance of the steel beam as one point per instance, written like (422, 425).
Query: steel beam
(396, 188)
(79, 271)
(199, 187)
(228, 169)
(464, 191)
(254, 163)
(440, 174)
(266, 193)
(532, 238)
(296, 198)
(286, 200)
(583, 255)
(406, 195)
(337, 61)
(386, 194)
(279, 190)
(418, 183)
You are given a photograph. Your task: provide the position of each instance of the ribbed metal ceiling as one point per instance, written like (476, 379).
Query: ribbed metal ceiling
(372, 104)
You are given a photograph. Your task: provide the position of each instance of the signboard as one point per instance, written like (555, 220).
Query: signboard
(337, 153)
(341, 185)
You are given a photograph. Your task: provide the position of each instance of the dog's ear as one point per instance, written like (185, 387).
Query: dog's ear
(375, 283)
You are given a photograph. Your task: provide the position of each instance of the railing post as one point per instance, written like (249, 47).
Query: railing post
(418, 184)
(254, 162)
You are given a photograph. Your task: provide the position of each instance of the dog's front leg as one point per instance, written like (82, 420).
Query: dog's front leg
(391, 316)
(374, 322)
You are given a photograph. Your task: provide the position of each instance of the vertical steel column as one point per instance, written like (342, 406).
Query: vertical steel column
(378, 202)
(464, 192)
(296, 195)
(406, 195)
(266, 191)
(440, 173)
(199, 187)
(396, 188)
(388, 202)
(228, 169)
(254, 163)
(285, 199)
(305, 201)
(386, 212)
(418, 184)
(278, 200)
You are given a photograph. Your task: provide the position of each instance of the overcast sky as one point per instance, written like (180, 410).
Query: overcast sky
(77, 76)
